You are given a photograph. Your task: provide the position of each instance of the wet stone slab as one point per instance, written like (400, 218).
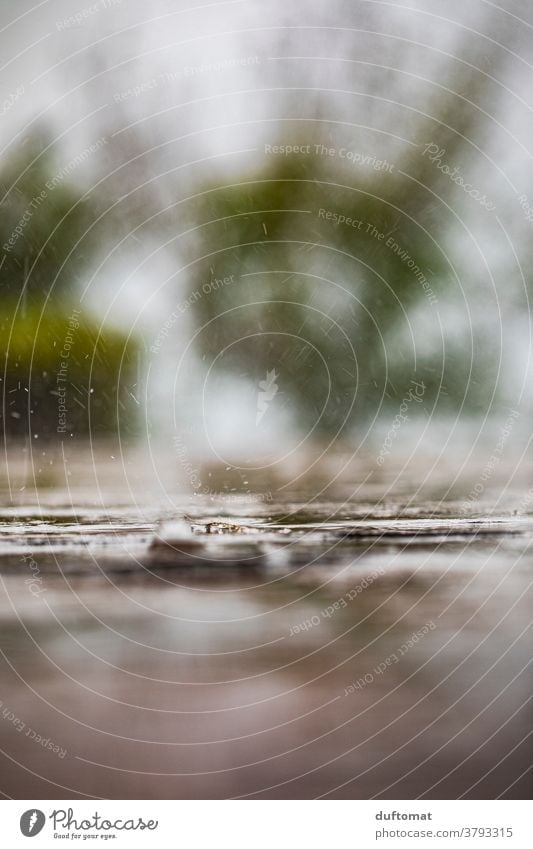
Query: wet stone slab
(291, 652)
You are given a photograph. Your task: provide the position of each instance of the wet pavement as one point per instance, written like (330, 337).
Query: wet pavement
(349, 648)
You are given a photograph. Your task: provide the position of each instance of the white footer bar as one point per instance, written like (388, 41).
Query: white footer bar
(268, 824)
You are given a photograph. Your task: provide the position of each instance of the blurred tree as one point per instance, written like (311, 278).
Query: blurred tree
(61, 373)
(352, 260)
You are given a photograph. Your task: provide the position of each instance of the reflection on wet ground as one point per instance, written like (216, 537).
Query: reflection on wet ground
(345, 650)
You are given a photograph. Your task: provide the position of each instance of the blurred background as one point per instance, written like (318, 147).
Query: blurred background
(340, 196)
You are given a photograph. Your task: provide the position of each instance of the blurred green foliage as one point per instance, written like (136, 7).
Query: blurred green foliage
(352, 259)
(93, 381)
